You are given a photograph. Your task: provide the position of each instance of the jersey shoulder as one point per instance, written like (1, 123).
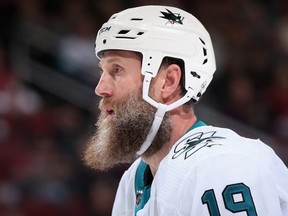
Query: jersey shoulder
(212, 148)
(209, 159)
(208, 141)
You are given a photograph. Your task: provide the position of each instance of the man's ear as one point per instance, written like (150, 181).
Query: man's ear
(171, 88)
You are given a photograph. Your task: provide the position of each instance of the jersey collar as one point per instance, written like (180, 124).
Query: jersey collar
(197, 124)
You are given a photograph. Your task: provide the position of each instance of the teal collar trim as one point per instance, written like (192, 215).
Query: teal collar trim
(197, 124)
(142, 189)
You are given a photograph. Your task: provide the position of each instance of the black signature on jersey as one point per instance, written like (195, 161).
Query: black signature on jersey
(194, 143)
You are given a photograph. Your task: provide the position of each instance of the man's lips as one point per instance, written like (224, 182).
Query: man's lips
(107, 111)
(110, 111)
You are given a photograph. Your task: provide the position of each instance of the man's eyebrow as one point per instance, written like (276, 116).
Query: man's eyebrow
(110, 61)
(113, 59)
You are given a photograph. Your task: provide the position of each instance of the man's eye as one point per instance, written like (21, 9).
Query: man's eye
(116, 70)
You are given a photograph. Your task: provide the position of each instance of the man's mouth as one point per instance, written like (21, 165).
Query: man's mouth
(107, 111)
(110, 112)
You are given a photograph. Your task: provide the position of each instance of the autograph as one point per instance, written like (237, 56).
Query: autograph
(194, 143)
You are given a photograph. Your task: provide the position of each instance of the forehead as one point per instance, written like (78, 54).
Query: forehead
(124, 57)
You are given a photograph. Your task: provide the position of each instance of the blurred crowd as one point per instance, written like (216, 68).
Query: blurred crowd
(42, 136)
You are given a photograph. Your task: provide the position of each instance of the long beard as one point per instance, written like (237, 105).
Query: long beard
(117, 139)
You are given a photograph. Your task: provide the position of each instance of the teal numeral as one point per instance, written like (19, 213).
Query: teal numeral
(210, 199)
(244, 202)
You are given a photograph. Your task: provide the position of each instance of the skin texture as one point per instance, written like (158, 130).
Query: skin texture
(126, 118)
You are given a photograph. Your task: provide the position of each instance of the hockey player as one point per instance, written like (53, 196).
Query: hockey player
(157, 62)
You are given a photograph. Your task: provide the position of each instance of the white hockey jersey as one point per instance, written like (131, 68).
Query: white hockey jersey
(210, 171)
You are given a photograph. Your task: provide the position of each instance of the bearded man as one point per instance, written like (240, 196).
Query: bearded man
(156, 63)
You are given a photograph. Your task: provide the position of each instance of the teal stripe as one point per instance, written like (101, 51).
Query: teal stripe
(142, 192)
(197, 124)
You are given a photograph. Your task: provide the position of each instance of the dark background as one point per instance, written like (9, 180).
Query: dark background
(48, 72)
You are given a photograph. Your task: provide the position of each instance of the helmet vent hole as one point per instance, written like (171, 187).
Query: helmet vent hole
(136, 19)
(205, 61)
(202, 41)
(195, 74)
(204, 51)
(123, 31)
(104, 41)
(140, 33)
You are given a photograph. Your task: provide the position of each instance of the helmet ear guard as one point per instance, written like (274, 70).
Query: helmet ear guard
(151, 62)
(157, 32)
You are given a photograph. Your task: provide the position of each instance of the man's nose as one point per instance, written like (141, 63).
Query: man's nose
(103, 88)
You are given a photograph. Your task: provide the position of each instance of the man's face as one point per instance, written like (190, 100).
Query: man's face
(125, 118)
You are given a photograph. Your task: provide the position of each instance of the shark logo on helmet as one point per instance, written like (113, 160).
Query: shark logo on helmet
(172, 17)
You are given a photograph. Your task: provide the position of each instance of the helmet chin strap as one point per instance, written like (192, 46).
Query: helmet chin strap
(161, 110)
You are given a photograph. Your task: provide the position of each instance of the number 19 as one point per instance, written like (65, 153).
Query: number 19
(228, 194)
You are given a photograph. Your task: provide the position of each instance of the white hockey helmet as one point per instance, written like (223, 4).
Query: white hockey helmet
(157, 32)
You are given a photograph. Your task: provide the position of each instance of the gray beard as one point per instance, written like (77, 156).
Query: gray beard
(117, 140)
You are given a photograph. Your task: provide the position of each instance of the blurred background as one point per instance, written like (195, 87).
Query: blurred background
(48, 72)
